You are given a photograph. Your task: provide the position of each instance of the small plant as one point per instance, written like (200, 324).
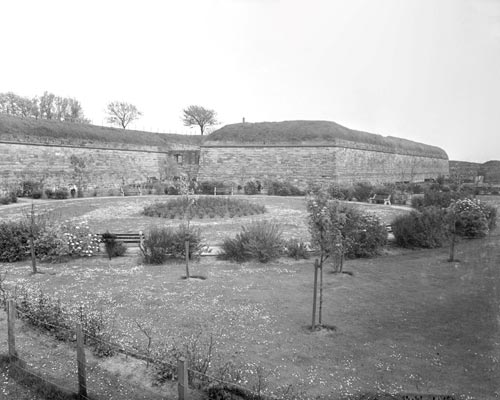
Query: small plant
(297, 249)
(362, 191)
(114, 248)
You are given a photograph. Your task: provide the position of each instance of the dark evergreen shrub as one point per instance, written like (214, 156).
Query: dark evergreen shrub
(114, 248)
(362, 190)
(207, 187)
(252, 187)
(278, 188)
(420, 229)
(14, 236)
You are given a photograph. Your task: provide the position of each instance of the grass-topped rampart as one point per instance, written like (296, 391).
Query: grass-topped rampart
(31, 129)
(320, 132)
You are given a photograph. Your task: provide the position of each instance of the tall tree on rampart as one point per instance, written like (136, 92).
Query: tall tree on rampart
(121, 113)
(199, 116)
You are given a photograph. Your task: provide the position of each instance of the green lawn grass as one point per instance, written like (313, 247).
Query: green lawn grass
(406, 323)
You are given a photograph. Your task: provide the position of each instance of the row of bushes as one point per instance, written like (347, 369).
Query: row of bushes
(53, 241)
(201, 206)
(431, 226)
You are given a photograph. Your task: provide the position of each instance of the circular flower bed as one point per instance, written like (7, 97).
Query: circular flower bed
(203, 207)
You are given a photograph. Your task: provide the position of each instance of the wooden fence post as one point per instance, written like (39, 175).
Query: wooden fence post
(11, 321)
(80, 357)
(315, 292)
(182, 378)
(186, 250)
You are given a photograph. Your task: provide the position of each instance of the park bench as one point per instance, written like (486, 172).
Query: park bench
(381, 199)
(128, 238)
(223, 191)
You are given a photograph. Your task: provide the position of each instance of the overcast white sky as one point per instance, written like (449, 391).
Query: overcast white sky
(425, 70)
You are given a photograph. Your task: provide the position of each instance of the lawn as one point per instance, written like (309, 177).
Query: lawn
(405, 323)
(124, 214)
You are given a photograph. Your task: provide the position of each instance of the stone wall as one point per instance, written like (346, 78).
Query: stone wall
(314, 164)
(106, 166)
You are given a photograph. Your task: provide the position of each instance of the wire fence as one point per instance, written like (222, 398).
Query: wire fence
(186, 376)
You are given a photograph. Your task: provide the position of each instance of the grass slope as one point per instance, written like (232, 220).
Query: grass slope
(11, 126)
(312, 131)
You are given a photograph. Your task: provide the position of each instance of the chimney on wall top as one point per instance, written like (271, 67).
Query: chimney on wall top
(243, 119)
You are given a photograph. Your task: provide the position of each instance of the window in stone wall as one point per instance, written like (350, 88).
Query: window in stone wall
(178, 158)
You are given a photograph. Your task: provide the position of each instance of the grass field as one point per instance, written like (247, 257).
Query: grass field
(405, 323)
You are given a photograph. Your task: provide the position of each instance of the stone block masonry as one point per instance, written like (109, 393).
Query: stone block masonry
(105, 167)
(305, 164)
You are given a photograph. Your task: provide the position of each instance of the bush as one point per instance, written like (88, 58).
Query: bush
(28, 188)
(297, 249)
(261, 240)
(14, 238)
(490, 213)
(277, 188)
(436, 196)
(163, 243)
(420, 229)
(252, 187)
(207, 187)
(471, 218)
(362, 190)
(114, 248)
(364, 234)
(11, 197)
(156, 245)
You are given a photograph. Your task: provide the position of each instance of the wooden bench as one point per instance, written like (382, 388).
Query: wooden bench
(381, 199)
(128, 238)
(223, 191)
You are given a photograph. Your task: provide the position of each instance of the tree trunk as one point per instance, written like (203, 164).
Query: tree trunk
(320, 294)
(315, 291)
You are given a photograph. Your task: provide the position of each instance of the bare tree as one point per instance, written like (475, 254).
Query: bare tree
(200, 116)
(121, 113)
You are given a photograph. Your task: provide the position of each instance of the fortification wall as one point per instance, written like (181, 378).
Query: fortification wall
(105, 166)
(315, 164)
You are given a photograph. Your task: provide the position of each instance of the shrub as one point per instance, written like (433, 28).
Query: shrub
(417, 202)
(47, 313)
(364, 234)
(14, 236)
(11, 197)
(29, 187)
(490, 213)
(297, 249)
(261, 240)
(156, 245)
(114, 248)
(470, 218)
(207, 187)
(278, 188)
(437, 197)
(163, 243)
(193, 235)
(252, 187)
(362, 190)
(423, 228)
